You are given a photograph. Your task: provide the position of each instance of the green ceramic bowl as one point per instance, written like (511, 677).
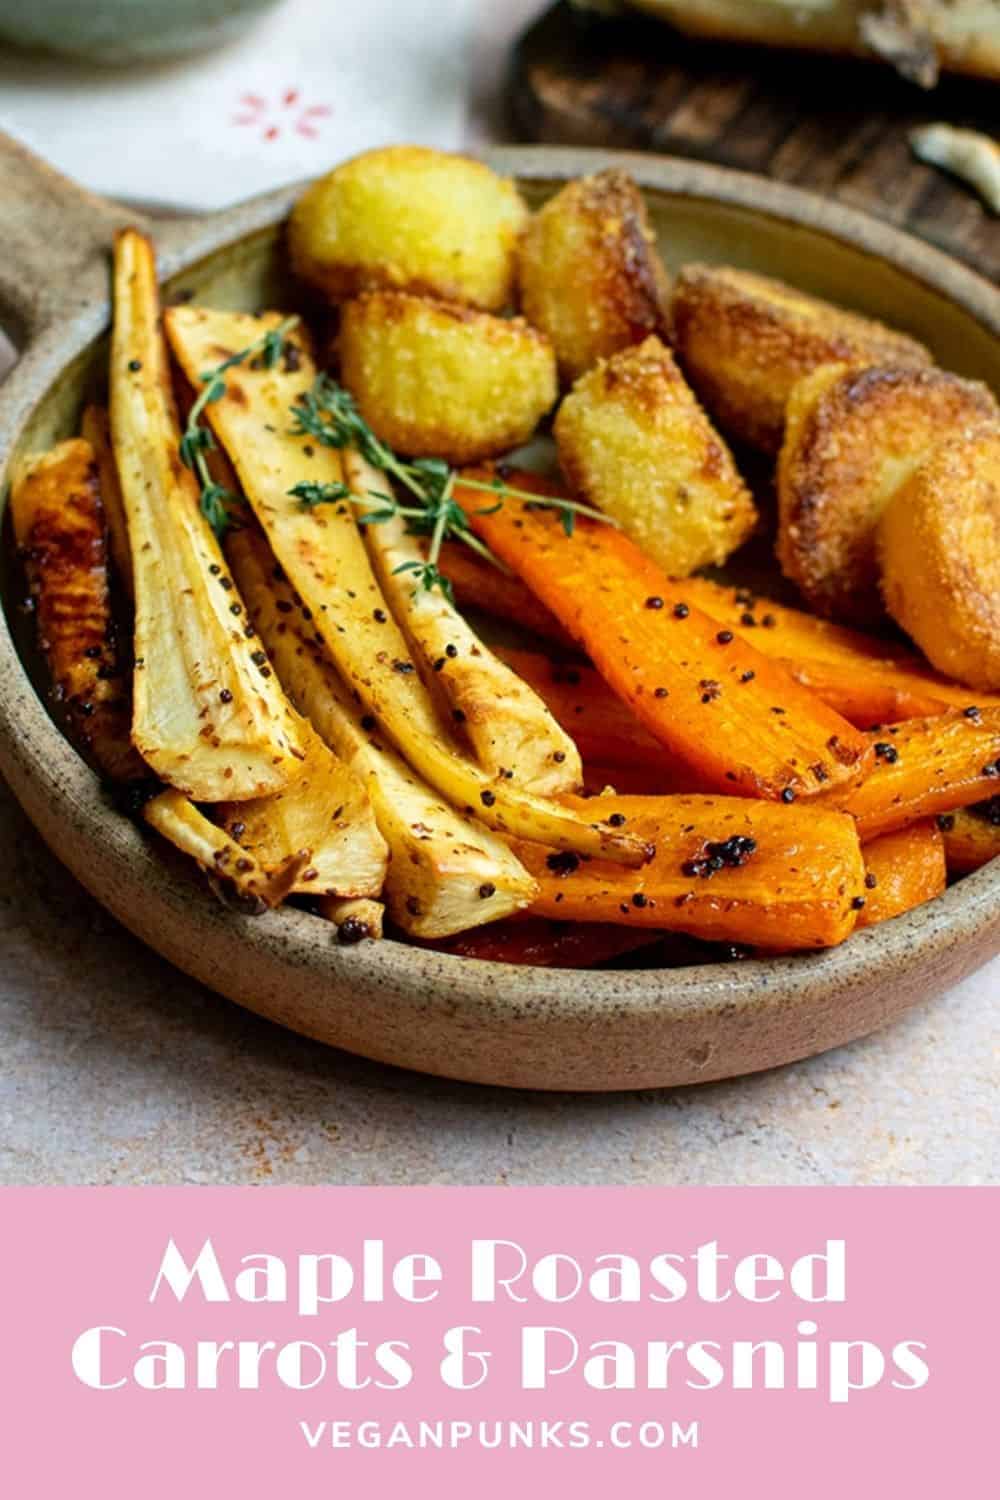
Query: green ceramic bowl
(118, 32)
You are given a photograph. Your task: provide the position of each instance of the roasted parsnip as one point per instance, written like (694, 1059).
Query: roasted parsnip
(354, 919)
(321, 550)
(326, 815)
(59, 524)
(512, 733)
(207, 715)
(447, 872)
(236, 875)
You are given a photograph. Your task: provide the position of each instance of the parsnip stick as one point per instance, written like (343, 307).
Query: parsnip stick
(207, 716)
(323, 554)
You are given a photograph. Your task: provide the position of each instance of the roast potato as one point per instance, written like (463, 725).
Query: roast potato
(410, 217)
(939, 548)
(634, 442)
(589, 273)
(854, 436)
(744, 340)
(438, 380)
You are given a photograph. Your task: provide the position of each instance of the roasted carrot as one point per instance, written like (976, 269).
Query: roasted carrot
(727, 869)
(868, 680)
(732, 715)
(95, 425)
(547, 944)
(971, 836)
(477, 584)
(60, 531)
(924, 767)
(636, 781)
(618, 751)
(902, 870)
(604, 729)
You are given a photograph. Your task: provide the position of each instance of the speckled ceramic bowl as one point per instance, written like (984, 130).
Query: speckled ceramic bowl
(459, 1017)
(119, 32)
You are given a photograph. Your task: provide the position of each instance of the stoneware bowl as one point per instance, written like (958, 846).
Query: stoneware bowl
(119, 32)
(459, 1017)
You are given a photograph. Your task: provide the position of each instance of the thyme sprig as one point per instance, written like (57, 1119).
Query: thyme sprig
(218, 504)
(328, 413)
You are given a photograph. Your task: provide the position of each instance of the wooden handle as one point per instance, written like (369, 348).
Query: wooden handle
(56, 237)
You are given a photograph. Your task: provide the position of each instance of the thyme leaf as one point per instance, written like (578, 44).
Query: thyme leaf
(328, 413)
(218, 505)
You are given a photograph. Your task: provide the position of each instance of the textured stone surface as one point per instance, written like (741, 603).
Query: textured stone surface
(117, 1069)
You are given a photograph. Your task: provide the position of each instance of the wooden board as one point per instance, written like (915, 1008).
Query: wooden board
(835, 126)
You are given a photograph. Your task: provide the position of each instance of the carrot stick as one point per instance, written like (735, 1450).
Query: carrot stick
(789, 877)
(477, 584)
(542, 943)
(903, 870)
(635, 781)
(95, 428)
(971, 836)
(924, 767)
(734, 716)
(868, 680)
(604, 729)
(60, 531)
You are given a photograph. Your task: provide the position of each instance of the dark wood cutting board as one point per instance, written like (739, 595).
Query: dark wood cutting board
(838, 127)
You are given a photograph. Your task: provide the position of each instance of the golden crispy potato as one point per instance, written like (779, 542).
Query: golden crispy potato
(853, 437)
(413, 218)
(634, 442)
(589, 273)
(939, 548)
(744, 340)
(438, 380)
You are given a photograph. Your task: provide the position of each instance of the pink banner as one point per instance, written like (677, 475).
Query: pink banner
(224, 1342)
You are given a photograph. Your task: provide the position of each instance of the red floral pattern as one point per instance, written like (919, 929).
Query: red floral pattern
(284, 115)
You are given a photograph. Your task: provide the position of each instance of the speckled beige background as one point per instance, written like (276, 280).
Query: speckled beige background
(114, 1068)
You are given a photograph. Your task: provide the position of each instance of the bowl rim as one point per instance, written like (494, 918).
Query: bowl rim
(55, 785)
